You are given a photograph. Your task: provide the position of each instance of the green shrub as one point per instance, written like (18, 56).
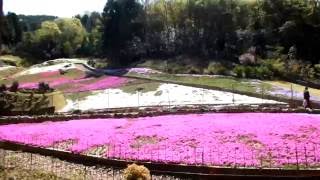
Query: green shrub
(3, 88)
(260, 72)
(239, 71)
(44, 87)
(276, 66)
(308, 72)
(317, 70)
(193, 70)
(135, 172)
(263, 72)
(216, 69)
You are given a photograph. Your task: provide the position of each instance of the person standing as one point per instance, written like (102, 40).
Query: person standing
(306, 96)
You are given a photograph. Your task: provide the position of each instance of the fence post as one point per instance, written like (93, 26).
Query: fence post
(314, 152)
(195, 155)
(297, 160)
(31, 161)
(235, 157)
(202, 156)
(262, 93)
(203, 96)
(108, 91)
(233, 98)
(252, 157)
(306, 156)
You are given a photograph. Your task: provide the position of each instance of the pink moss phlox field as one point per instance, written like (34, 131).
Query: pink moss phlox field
(107, 82)
(77, 85)
(255, 140)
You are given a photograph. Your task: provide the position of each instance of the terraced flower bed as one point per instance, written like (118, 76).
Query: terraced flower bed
(73, 81)
(247, 140)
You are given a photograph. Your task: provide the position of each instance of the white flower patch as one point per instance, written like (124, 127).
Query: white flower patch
(166, 94)
(42, 69)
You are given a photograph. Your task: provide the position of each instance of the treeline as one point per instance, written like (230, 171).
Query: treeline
(130, 30)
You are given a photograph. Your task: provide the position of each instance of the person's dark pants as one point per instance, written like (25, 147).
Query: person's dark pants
(308, 104)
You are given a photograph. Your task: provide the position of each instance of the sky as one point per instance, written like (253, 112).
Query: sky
(61, 8)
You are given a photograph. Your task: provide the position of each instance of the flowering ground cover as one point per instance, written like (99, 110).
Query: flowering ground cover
(250, 140)
(273, 88)
(73, 81)
(156, 94)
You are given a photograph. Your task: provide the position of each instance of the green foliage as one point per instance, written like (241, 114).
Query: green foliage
(59, 38)
(276, 66)
(44, 87)
(130, 30)
(14, 87)
(11, 30)
(3, 88)
(14, 60)
(122, 32)
(317, 70)
(259, 72)
(216, 69)
(72, 35)
(33, 22)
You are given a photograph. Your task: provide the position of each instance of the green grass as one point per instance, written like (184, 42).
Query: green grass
(143, 87)
(14, 60)
(75, 74)
(9, 72)
(229, 83)
(79, 96)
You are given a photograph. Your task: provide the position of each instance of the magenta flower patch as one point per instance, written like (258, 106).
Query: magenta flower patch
(250, 140)
(77, 85)
(107, 82)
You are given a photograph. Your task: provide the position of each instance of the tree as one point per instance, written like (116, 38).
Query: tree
(46, 40)
(1, 23)
(122, 20)
(59, 38)
(72, 35)
(11, 31)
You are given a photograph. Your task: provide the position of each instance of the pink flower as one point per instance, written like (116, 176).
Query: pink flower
(248, 139)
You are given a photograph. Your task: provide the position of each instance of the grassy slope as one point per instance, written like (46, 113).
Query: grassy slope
(220, 82)
(9, 72)
(296, 87)
(13, 60)
(229, 83)
(140, 85)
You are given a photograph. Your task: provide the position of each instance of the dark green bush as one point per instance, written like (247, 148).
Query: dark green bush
(3, 88)
(43, 87)
(14, 87)
(216, 69)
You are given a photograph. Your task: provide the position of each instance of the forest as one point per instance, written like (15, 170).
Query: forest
(256, 38)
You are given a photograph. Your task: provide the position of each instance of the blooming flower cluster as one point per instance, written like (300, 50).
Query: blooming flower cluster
(104, 83)
(249, 139)
(75, 85)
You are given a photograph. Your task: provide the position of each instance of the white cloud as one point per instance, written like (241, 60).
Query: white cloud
(61, 8)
